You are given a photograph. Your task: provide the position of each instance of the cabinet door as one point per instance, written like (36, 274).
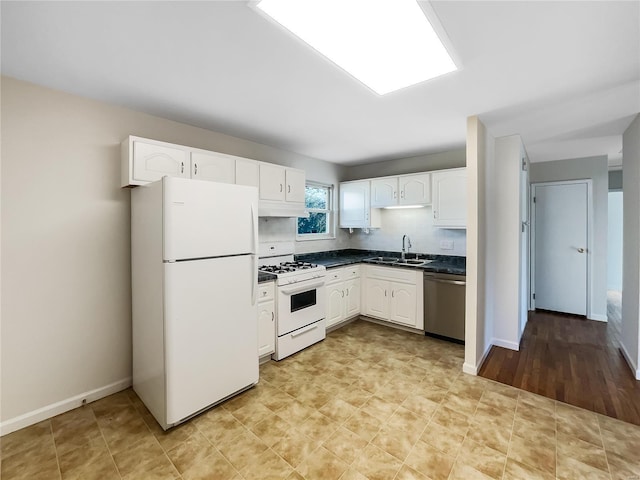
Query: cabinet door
(215, 167)
(450, 198)
(376, 298)
(272, 182)
(152, 162)
(415, 189)
(352, 297)
(402, 308)
(266, 328)
(295, 185)
(354, 204)
(247, 173)
(384, 192)
(335, 301)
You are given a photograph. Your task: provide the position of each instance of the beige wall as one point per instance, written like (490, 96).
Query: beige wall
(401, 166)
(66, 306)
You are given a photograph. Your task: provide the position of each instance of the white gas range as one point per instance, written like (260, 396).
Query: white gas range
(300, 298)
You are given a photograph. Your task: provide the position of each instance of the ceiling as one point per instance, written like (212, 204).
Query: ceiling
(563, 75)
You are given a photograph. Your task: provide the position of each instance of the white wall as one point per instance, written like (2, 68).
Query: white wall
(415, 222)
(478, 323)
(595, 168)
(65, 278)
(630, 341)
(614, 242)
(504, 241)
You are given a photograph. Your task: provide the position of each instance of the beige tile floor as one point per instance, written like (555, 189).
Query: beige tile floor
(369, 402)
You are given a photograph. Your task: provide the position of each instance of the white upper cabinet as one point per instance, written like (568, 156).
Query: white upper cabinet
(355, 206)
(415, 189)
(212, 166)
(145, 161)
(402, 190)
(272, 182)
(384, 192)
(295, 180)
(281, 184)
(450, 198)
(247, 172)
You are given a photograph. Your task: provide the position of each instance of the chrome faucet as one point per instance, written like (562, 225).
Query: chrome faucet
(408, 240)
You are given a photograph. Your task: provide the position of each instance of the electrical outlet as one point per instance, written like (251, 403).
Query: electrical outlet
(446, 244)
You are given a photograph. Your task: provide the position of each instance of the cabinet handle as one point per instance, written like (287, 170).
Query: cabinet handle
(195, 168)
(288, 188)
(342, 293)
(395, 194)
(402, 194)
(385, 293)
(434, 214)
(393, 293)
(273, 316)
(181, 167)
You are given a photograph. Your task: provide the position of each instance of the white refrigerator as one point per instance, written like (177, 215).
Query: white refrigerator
(194, 288)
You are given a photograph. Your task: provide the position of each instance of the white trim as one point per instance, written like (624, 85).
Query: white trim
(506, 344)
(49, 411)
(532, 244)
(473, 370)
(630, 362)
(598, 317)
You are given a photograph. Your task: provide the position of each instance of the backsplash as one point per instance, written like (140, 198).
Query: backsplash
(418, 224)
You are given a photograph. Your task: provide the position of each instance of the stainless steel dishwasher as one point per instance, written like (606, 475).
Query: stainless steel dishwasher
(444, 305)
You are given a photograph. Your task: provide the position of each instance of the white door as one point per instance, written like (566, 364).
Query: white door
(335, 294)
(211, 333)
(208, 219)
(402, 308)
(352, 297)
(376, 298)
(247, 173)
(266, 328)
(561, 253)
(151, 162)
(450, 198)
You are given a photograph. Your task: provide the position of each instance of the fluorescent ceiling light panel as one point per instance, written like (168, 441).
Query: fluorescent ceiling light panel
(386, 44)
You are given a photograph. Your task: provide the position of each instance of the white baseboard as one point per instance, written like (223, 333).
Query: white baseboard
(598, 317)
(632, 364)
(506, 344)
(48, 411)
(474, 369)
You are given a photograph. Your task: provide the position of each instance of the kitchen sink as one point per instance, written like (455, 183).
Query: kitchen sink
(395, 260)
(413, 261)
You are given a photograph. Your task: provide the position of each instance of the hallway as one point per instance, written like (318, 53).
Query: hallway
(573, 360)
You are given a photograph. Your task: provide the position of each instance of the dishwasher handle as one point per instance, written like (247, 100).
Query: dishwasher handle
(450, 282)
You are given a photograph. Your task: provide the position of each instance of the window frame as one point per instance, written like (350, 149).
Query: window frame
(331, 228)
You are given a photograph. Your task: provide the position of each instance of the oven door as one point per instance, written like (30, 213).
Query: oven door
(300, 304)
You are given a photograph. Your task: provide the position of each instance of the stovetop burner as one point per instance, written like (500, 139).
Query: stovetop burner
(287, 267)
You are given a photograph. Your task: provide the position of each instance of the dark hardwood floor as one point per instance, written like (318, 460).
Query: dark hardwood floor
(573, 360)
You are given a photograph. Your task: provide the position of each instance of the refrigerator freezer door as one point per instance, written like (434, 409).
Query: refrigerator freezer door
(208, 219)
(211, 333)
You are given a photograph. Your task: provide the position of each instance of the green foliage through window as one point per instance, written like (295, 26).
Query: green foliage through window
(318, 204)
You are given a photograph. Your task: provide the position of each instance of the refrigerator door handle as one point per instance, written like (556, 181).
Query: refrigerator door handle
(254, 283)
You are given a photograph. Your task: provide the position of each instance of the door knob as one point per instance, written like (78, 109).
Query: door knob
(581, 250)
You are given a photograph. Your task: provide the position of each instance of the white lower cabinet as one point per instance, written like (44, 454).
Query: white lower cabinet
(266, 319)
(394, 294)
(343, 294)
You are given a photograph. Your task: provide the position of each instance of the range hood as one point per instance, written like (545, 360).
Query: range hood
(281, 209)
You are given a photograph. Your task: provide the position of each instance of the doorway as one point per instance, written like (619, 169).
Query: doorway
(560, 246)
(614, 259)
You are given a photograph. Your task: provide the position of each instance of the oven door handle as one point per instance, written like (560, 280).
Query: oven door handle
(301, 288)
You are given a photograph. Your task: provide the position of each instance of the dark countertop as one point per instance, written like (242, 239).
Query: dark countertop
(338, 258)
